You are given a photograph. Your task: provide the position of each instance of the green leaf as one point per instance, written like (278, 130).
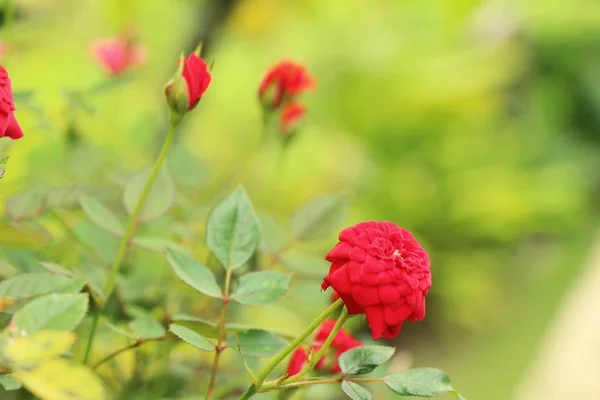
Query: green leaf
(9, 383)
(260, 343)
(59, 380)
(274, 237)
(191, 337)
(261, 287)
(232, 231)
(146, 327)
(362, 360)
(421, 382)
(194, 273)
(24, 235)
(318, 218)
(63, 197)
(160, 199)
(38, 283)
(51, 312)
(159, 245)
(25, 205)
(188, 171)
(355, 391)
(102, 216)
(3, 161)
(304, 263)
(40, 346)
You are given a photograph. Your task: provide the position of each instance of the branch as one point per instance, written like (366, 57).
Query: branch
(134, 345)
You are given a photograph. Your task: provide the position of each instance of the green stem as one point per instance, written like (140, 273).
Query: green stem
(109, 285)
(291, 347)
(9, 14)
(324, 347)
(221, 340)
(135, 344)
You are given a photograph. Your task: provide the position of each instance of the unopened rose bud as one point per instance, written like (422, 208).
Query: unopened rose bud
(284, 82)
(291, 119)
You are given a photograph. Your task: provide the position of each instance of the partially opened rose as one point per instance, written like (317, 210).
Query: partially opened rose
(8, 123)
(117, 55)
(189, 83)
(379, 269)
(284, 82)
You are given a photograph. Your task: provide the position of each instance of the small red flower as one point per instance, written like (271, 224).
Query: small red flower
(3, 50)
(290, 117)
(342, 342)
(188, 85)
(379, 269)
(117, 55)
(284, 82)
(297, 362)
(8, 123)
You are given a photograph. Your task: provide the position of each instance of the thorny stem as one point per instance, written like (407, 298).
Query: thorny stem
(111, 280)
(254, 388)
(219, 349)
(134, 345)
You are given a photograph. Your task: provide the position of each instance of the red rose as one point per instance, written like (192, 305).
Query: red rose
(8, 123)
(379, 269)
(188, 85)
(297, 362)
(284, 82)
(290, 117)
(117, 55)
(342, 342)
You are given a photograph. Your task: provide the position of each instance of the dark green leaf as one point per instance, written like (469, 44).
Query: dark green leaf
(318, 218)
(233, 232)
(38, 283)
(261, 287)
(421, 382)
(25, 205)
(9, 383)
(160, 199)
(53, 312)
(101, 215)
(362, 360)
(146, 327)
(260, 343)
(191, 337)
(194, 273)
(355, 391)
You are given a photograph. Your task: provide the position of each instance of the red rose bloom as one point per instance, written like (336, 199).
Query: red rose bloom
(298, 361)
(291, 115)
(117, 55)
(188, 85)
(8, 123)
(342, 342)
(284, 82)
(379, 269)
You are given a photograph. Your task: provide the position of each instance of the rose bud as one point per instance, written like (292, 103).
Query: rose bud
(291, 118)
(297, 361)
(342, 342)
(284, 82)
(8, 123)
(379, 269)
(117, 55)
(189, 83)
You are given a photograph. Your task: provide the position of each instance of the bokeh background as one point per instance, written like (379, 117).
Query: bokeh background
(474, 124)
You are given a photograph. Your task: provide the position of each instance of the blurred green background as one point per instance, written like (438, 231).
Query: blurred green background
(474, 124)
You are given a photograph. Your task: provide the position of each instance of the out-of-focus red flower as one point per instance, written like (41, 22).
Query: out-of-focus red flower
(342, 342)
(284, 82)
(298, 361)
(379, 269)
(8, 123)
(189, 83)
(291, 116)
(117, 55)
(3, 50)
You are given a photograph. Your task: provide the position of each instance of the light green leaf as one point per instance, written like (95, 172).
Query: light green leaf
(25, 205)
(194, 273)
(260, 343)
(51, 312)
(191, 337)
(304, 263)
(40, 346)
(146, 327)
(100, 215)
(362, 360)
(274, 237)
(160, 199)
(421, 382)
(188, 171)
(56, 269)
(355, 391)
(66, 197)
(38, 283)
(261, 287)
(232, 231)
(3, 161)
(160, 245)
(59, 380)
(9, 383)
(24, 235)
(318, 218)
